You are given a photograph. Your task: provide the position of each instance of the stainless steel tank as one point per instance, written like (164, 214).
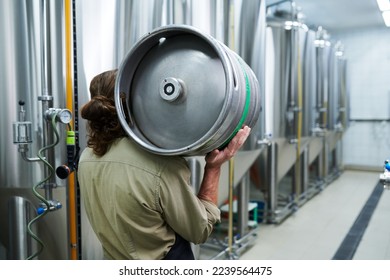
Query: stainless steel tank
(186, 93)
(285, 104)
(20, 213)
(309, 79)
(328, 123)
(323, 96)
(338, 109)
(284, 53)
(342, 88)
(339, 96)
(32, 67)
(312, 160)
(250, 45)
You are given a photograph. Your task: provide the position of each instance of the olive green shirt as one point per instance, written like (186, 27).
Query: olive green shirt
(136, 201)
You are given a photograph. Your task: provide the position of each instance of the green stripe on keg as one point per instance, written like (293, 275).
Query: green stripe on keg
(246, 107)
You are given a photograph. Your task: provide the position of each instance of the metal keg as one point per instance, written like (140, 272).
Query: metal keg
(181, 92)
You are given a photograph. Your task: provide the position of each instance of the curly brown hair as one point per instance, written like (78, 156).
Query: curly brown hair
(103, 123)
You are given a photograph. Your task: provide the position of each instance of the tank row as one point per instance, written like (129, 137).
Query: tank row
(306, 111)
(51, 51)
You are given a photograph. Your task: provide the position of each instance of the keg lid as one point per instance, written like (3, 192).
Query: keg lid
(175, 86)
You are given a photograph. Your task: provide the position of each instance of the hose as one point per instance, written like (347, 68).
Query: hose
(39, 196)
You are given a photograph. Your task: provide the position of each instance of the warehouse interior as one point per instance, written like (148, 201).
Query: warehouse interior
(312, 181)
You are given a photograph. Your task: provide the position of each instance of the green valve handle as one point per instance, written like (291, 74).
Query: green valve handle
(70, 138)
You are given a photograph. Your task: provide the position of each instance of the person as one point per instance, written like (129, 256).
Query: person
(141, 205)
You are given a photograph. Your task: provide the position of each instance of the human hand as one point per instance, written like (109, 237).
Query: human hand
(217, 157)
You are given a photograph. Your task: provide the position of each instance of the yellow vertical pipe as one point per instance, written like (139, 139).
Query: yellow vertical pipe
(231, 161)
(69, 104)
(231, 186)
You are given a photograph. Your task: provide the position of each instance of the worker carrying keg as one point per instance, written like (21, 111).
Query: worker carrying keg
(140, 204)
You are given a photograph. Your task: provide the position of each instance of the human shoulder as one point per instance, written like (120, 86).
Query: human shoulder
(128, 151)
(87, 154)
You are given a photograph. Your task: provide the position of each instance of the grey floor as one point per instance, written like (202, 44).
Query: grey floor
(317, 229)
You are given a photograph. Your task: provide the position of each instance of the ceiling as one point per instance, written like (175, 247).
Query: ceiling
(339, 15)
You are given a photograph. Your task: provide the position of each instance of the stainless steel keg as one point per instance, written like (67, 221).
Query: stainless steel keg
(182, 92)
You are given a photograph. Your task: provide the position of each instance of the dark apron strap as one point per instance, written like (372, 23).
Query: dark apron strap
(181, 250)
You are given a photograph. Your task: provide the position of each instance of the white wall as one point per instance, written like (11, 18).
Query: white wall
(366, 142)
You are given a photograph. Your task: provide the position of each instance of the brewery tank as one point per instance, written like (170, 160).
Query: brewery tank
(309, 84)
(284, 61)
(342, 97)
(31, 52)
(324, 94)
(339, 96)
(286, 102)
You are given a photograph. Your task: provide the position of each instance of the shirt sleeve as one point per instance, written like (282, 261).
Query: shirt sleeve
(185, 213)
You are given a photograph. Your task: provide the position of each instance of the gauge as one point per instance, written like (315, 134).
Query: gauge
(64, 116)
(60, 115)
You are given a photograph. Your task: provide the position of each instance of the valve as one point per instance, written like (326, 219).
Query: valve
(53, 205)
(267, 140)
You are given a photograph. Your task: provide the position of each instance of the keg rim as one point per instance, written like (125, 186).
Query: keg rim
(194, 148)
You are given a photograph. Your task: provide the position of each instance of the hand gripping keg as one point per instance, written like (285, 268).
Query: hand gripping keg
(182, 92)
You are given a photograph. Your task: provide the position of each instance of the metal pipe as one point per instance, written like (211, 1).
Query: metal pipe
(47, 139)
(195, 179)
(45, 47)
(305, 170)
(23, 149)
(46, 98)
(242, 205)
(231, 185)
(273, 192)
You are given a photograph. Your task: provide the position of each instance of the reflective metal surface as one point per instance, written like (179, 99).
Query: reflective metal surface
(338, 107)
(287, 102)
(106, 30)
(342, 88)
(323, 97)
(176, 109)
(250, 45)
(24, 77)
(283, 95)
(20, 244)
(309, 80)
